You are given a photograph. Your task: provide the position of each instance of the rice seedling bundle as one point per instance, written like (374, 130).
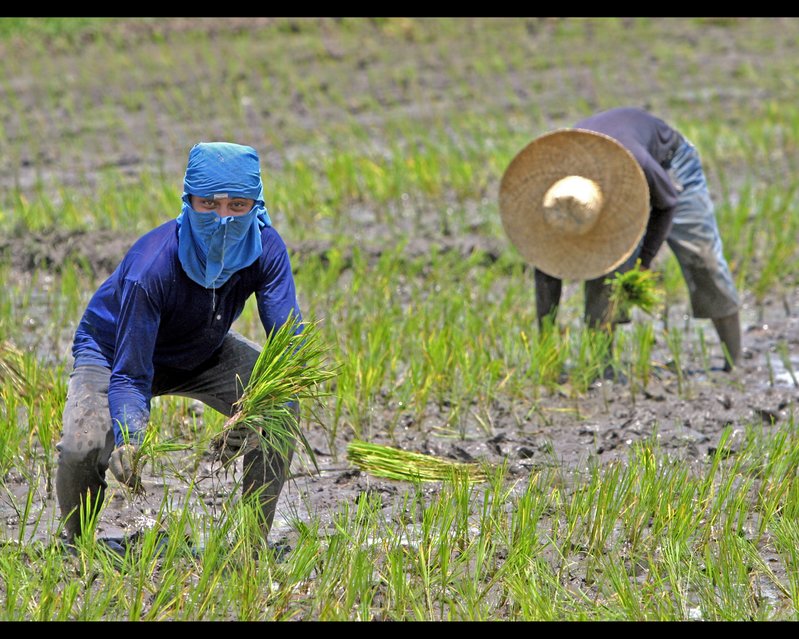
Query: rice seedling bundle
(290, 368)
(636, 287)
(403, 465)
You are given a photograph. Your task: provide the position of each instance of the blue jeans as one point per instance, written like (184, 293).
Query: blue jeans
(695, 241)
(87, 439)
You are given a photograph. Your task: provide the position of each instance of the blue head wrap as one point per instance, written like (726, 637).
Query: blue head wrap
(211, 248)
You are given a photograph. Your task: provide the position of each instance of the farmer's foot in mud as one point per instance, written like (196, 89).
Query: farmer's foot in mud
(66, 547)
(279, 550)
(70, 549)
(276, 551)
(671, 366)
(728, 367)
(610, 374)
(118, 546)
(121, 546)
(729, 332)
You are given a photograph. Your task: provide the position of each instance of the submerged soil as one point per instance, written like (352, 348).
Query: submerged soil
(684, 413)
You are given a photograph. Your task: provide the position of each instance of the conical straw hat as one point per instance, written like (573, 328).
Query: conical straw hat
(575, 203)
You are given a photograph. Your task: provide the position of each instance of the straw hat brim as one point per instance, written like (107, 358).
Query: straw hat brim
(621, 221)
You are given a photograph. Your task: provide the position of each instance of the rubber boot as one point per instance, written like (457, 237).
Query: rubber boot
(81, 492)
(265, 471)
(729, 331)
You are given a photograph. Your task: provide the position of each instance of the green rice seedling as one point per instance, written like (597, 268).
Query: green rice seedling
(160, 561)
(245, 584)
(14, 585)
(368, 366)
(762, 577)
(150, 449)
(346, 587)
(537, 593)
(291, 367)
(297, 190)
(673, 287)
(703, 349)
(625, 597)
(785, 532)
(23, 513)
(644, 341)
(734, 219)
(644, 494)
(569, 509)
(726, 589)
(44, 401)
(209, 574)
(609, 494)
(531, 505)
(403, 465)
(636, 288)
(775, 477)
(294, 576)
(737, 505)
(477, 580)
(439, 549)
(403, 599)
(181, 418)
(6, 303)
(769, 368)
(12, 366)
(343, 177)
(591, 354)
(720, 493)
(432, 558)
(75, 277)
(675, 570)
(677, 512)
(782, 227)
(13, 421)
(52, 595)
(329, 596)
(674, 342)
(785, 358)
(547, 355)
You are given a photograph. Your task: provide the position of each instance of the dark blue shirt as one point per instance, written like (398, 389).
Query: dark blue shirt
(149, 313)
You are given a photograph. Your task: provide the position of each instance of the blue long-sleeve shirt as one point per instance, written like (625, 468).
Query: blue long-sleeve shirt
(149, 313)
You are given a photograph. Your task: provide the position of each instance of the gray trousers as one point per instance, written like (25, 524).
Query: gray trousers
(87, 439)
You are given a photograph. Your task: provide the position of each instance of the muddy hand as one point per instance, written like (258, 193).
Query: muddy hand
(124, 464)
(232, 442)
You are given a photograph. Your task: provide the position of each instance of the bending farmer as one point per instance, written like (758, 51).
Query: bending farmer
(587, 202)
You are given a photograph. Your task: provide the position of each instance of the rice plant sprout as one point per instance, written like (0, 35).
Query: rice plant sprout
(12, 367)
(634, 288)
(291, 367)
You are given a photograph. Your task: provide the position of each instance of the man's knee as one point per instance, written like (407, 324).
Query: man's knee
(85, 448)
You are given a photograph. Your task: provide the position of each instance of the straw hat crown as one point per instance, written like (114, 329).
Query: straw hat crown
(575, 203)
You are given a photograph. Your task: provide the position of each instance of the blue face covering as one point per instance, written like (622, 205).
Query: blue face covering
(211, 248)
